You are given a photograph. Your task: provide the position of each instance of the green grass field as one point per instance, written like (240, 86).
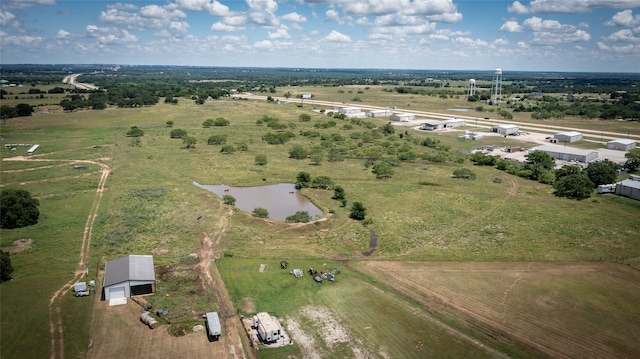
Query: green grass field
(150, 204)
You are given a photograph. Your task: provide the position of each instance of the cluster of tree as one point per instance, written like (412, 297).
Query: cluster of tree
(19, 110)
(218, 122)
(188, 141)
(304, 180)
(135, 131)
(19, 209)
(624, 106)
(6, 268)
(278, 138)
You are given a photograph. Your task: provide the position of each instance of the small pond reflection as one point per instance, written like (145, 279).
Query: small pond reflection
(280, 200)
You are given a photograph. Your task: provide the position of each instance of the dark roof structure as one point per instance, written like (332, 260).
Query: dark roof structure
(129, 268)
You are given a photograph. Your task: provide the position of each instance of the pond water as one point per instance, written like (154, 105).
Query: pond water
(280, 200)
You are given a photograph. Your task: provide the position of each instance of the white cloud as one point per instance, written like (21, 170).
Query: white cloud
(335, 36)
(537, 24)
(624, 35)
(465, 41)
(263, 45)
(569, 6)
(262, 12)
(511, 26)
(21, 4)
(179, 27)
(19, 41)
(159, 12)
(211, 7)
(624, 18)
(518, 8)
(294, 17)
(7, 19)
(552, 38)
(62, 34)
(219, 26)
(500, 41)
(281, 33)
(109, 35)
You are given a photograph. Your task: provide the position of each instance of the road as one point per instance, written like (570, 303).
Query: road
(73, 80)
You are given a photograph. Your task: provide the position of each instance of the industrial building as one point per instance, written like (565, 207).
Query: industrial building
(621, 144)
(438, 125)
(505, 129)
(352, 112)
(567, 153)
(379, 113)
(268, 328)
(128, 276)
(629, 187)
(402, 117)
(571, 136)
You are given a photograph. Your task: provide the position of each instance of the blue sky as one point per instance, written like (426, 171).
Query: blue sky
(536, 35)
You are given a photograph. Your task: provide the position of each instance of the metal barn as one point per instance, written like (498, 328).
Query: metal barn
(571, 136)
(402, 117)
(621, 144)
(568, 154)
(128, 276)
(505, 129)
(629, 188)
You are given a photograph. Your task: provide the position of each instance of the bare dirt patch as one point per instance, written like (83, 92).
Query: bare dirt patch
(324, 329)
(19, 245)
(248, 305)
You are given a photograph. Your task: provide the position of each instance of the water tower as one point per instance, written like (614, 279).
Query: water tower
(472, 87)
(496, 86)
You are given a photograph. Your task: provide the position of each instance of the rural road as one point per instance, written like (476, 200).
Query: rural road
(73, 80)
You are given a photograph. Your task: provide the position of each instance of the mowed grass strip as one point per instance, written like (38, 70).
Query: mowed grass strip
(558, 309)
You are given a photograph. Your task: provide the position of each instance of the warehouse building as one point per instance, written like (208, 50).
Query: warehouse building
(567, 153)
(379, 113)
(621, 144)
(505, 129)
(402, 117)
(128, 276)
(568, 136)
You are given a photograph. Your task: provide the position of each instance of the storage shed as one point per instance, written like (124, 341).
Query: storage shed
(629, 188)
(268, 328)
(402, 117)
(432, 125)
(621, 144)
(213, 325)
(567, 153)
(505, 129)
(454, 122)
(568, 136)
(128, 276)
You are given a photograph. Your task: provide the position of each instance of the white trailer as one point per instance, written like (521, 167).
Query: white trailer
(213, 325)
(33, 149)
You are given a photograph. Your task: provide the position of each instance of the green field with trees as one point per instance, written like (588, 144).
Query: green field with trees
(424, 196)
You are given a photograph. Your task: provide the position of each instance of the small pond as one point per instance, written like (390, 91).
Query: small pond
(280, 200)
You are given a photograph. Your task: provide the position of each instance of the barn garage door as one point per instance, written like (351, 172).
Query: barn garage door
(115, 293)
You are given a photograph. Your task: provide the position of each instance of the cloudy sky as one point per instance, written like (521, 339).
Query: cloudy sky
(536, 35)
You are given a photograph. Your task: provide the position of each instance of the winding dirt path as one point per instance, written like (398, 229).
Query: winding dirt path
(212, 280)
(56, 326)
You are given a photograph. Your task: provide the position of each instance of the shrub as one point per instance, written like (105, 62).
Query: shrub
(260, 212)
(464, 173)
(299, 217)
